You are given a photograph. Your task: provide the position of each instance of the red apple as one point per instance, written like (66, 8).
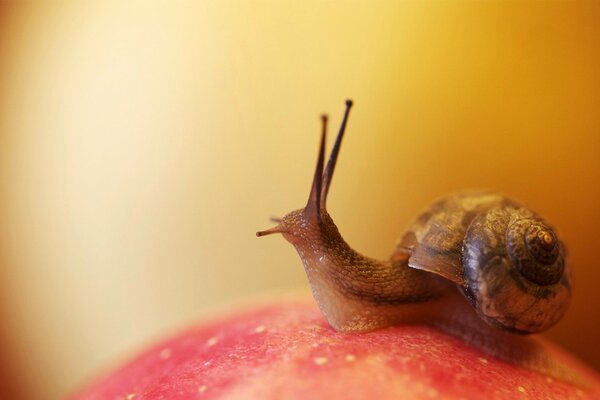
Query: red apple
(288, 351)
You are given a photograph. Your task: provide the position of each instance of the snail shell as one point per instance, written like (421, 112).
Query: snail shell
(505, 259)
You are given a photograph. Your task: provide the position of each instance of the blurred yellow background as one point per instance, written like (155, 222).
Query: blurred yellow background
(141, 146)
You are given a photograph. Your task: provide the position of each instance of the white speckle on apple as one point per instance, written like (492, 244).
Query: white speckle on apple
(320, 360)
(212, 341)
(350, 357)
(483, 360)
(260, 329)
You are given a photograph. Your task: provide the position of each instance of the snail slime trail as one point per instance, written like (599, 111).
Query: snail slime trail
(505, 260)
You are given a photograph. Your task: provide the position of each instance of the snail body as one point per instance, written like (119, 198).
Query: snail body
(503, 258)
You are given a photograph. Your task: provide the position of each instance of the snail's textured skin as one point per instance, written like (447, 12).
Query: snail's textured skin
(358, 293)
(504, 257)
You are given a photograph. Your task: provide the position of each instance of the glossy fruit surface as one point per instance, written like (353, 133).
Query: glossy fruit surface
(286, 350)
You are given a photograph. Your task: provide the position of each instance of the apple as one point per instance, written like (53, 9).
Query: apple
(286, 350)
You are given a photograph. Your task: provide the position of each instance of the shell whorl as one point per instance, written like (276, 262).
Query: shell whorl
(535, 251)
(505, 259)
(512, 279)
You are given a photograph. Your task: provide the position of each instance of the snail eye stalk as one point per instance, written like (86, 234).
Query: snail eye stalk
(313, 206)
(328, 174)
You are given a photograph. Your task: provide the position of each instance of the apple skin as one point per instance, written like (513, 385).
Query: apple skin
(286, 350)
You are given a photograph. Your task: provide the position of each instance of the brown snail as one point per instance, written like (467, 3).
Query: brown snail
(505, 260)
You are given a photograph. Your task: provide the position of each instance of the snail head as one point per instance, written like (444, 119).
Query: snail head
(307, 222)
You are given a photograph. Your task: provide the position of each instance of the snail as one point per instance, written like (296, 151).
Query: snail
(504, 259)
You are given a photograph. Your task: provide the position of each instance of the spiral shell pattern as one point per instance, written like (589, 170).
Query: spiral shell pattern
(515, 270)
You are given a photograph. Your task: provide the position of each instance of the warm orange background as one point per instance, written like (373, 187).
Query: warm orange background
(141, 147)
